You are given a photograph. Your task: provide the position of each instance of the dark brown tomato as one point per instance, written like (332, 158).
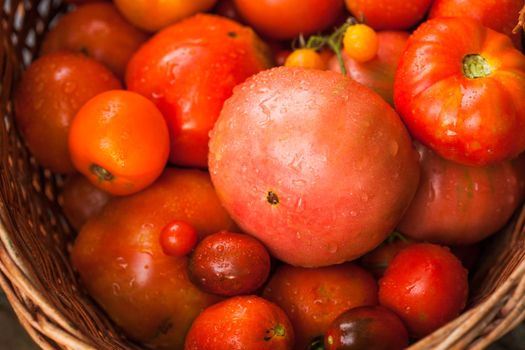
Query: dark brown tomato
(188, 70)
(366, 327)
(241, 323)
(50, 93)
(118, 255)
(99, 31)
(314, 297)
(81, 200)
(426, 286)
(458, 204)
(228, 263)
(377, 74)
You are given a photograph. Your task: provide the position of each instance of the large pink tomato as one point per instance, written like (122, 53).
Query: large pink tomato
(317, 166)
(457, 204)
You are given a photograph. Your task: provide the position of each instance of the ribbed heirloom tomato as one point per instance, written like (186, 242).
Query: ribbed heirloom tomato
(463, 95)
(120, 141)
(189, 69)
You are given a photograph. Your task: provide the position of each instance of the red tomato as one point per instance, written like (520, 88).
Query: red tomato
(189, 70)
(389, 14)
(366, 327)
(315, 193)
(313, 298)
(50, 93)
(426, 286)
(99, 31)
(241, 323)
(499, 15)
(229, 263)
(178, 238)
(457, 204)
(121, 263)
(287, 19)
(463, 95)
(377, 74)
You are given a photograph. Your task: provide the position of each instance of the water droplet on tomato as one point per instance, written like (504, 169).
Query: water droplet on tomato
(394, 148)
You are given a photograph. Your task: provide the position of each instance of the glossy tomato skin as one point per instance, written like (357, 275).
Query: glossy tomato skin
(188, 70)
(294, 17)
(389, 14)
(426, 286)
(153, 15)
(241, 323)
(81, 200)
(457, 204)
(314, 297)
(463, 100)
(366, 327)
(122, 265)
(229, 263)
(99, 31)
(50, 93)
(178, 238)
(499, 15)
(314, 192)
(119, 140)
(377, 74)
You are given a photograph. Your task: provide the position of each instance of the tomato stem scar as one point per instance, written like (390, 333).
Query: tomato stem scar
(272, 198)
(101, 173)
(476, 66)
(277, 331)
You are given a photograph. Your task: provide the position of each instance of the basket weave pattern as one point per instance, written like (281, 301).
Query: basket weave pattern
(34, 236)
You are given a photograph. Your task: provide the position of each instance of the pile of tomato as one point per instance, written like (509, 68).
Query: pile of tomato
(280, 174)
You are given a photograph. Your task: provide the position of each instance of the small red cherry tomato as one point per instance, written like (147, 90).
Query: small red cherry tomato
(178, 238)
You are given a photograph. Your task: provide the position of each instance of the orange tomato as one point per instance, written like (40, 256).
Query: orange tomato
(50, 93)
(360, 42)
(306, 58)
(120, 141)
(99, 31)
(152, 15)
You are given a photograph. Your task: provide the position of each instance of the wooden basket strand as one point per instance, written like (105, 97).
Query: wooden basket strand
(43, 290)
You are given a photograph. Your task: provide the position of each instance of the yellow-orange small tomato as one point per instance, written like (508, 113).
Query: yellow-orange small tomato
(360, 42)
(306, 58)
(119, 140)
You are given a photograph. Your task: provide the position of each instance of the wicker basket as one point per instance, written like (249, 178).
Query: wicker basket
(34, 236)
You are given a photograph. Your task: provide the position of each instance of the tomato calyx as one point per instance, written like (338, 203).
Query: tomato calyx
(101, 173)
(277, 331)
(317, 343)
(476, 66)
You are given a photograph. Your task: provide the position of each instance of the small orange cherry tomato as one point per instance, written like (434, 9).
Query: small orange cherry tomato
(119, 140)
(178, 238)
(360, 42)
(99, 31)
(306, 58)
(152, 15)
